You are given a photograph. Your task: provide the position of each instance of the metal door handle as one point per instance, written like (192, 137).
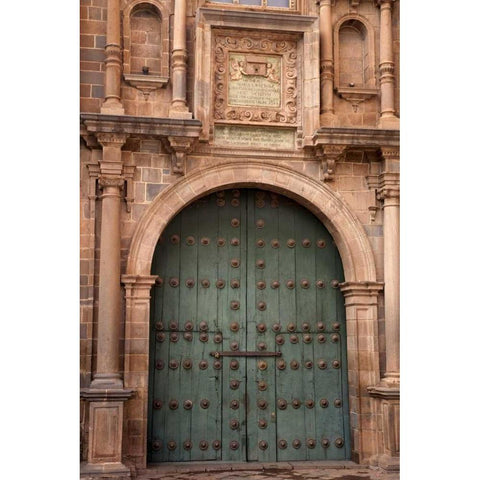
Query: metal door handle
(245, 354)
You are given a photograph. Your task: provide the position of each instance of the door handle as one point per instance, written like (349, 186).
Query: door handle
(245, 354)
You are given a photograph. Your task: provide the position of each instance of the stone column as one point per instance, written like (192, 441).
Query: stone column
(179, 107)
(386, 67)
(113, 61)
(326, 63)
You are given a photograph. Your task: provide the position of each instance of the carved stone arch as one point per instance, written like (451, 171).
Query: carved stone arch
(348, 233)
(164, 10)
(369, 46)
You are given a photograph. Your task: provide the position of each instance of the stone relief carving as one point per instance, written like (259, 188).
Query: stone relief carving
(255, 78)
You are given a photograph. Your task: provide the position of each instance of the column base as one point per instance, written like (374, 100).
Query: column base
(388, 463)
(327, 120)
(183, 114)
(106, 382)
(112, 107)
(389, 123)
(114, 470)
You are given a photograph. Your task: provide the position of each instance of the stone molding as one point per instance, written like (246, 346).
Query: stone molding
(106, 395)
(111, 139)
(366, 137)
(388, 186)
(104, 182)
(329, 155)
(385, 392)
(178, 147)
(361, 289)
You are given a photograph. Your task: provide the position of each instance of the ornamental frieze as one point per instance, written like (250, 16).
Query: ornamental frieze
(255, 78)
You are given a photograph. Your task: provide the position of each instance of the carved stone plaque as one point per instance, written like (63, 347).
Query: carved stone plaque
(255, 79)
(256, 137)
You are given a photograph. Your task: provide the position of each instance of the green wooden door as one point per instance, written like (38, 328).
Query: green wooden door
(248, 340)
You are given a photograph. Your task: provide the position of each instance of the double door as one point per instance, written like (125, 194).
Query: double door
(248, 340)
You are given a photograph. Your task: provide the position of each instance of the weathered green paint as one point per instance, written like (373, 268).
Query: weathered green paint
(211, 218)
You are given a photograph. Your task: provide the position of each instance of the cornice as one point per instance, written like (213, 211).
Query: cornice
(365, 137)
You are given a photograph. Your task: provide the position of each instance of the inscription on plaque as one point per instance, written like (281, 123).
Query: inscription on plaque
(256, 137)
(254, 80)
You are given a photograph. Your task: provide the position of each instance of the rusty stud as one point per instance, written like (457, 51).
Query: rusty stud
(175, 239)
(220, 283)
(335, 338)
(217, 364)
(262, 423)
(260, 263)
(159, 364)
(156, 445)
(234, 365)
(187, 445)
(335, 283)
(188, 336)
(321, 244)
(173, 326)
(234, 445)
(221, 242)
(339, 442)
(159, 282)
(275, 284)
(204, 403)
(190, 282)
(235, 222)
(171, 445)
(157, 404)
(234, 345)
(259, 194)
(235, 193)
(321, 338)
(159, 326)
(235, 263)
(234, 384)
(173, 364)
(187, 364)
(311, 443)
(262, 404)
(235, 283)
(260, 203)
(294, 365)
(305, 283)
(261, 327)
(260, 243)
(190, 240)
(296, 443)
(290, 284)
(187, 404)
(261, 306)
(336, 326)
(260, 223)
(234, 304)
(336, 364)
(307, 338)
(262, 365)
(188, 326)
(293, 339)
(337, 403)
(160, 337)
(306, 327)
(174, 337)
(275, 243)
(291, 243)
(234, 404)
(322, 364)
(281, 364)
(205, 283)
(203, 365)
(174, 282)
(320, 326)
(217, 338)
(282, 444)
(220, 202)
(235, 202)
(308, 364)
(216, 444)
(306, 242)
(296, 403)
(173, 404)
(234, 326)
(235, 242)
(203, 326)
(261, 285)
(204, 337)
(325, 443)
(262, 444)
(203, 445)
(262, 386)
(262, 346)
(320, 284)
(324, 403)
(309, 403)
(234, 424)
(205, 241)
(276, 327)
(220, 194)
(291, 327)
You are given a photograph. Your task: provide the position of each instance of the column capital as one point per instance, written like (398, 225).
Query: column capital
(138, 282)
(388, 186)
(390, 153)
(111, 139)
(379, 3)
(361, 289)
(115, 181)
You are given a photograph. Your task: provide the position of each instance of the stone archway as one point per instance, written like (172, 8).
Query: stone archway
(360, 289)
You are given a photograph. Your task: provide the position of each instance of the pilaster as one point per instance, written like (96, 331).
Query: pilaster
(326, 63)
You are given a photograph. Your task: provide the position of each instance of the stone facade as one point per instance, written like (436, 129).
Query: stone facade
(158, 132)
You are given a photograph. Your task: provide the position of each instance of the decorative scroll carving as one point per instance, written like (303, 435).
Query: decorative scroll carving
(111, 138)
(329, 155)
(255, 78)
(178, 147)
(111, 182)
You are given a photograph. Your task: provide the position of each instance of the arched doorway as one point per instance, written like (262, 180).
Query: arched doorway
(247, 334)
